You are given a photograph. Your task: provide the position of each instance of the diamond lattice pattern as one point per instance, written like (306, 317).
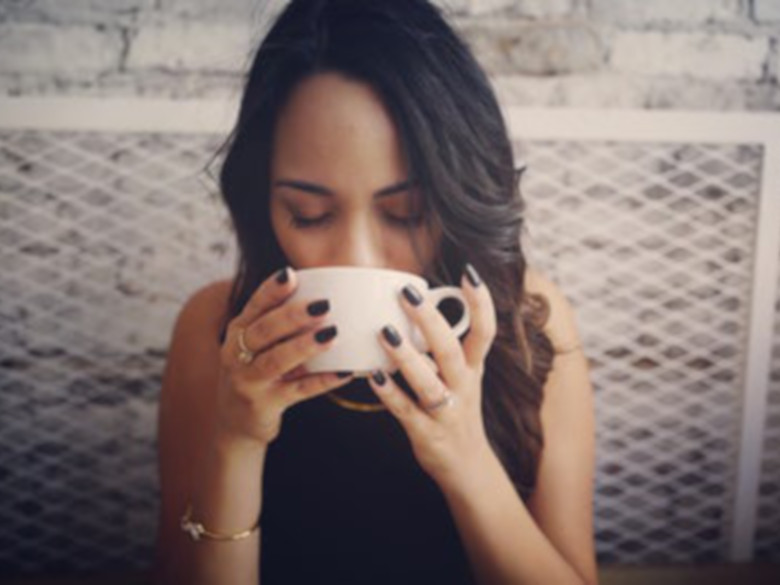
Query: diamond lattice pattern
(768, 529)
(103, 236)
(653, 244)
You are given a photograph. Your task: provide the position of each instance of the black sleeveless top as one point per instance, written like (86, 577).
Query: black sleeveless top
(345, 502)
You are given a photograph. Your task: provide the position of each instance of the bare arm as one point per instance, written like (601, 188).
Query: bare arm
(222, 482)
(504, 544)
(550, 540)
(228, 499)
(562, 504)
(218, 414)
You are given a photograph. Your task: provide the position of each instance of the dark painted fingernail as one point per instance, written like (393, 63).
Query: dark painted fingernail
(392, 336)
(318, 308)
(472, 275)
(412, 295)
(343, 374)
(325, 335)
(379, 377)
(282, 276)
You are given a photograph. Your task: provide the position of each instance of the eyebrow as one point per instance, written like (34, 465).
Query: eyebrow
(322, 191)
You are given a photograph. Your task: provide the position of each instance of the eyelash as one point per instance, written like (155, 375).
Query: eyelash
(300, 222)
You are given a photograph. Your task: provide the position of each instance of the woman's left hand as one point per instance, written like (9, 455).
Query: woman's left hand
(445, 424)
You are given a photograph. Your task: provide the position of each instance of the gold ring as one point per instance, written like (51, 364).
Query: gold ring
(245, 356)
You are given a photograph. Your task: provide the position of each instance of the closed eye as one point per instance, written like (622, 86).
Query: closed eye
(301, 222)
(298, 221)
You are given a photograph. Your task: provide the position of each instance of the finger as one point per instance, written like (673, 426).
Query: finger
(442, 341)
(415, 368)
(293, 352)
(312, 385)
(269, 294)
(284, 321)
(294, 374)
(431, 363)
(482, 332)
(410, 415)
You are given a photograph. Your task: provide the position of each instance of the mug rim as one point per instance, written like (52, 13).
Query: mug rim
(363, 269)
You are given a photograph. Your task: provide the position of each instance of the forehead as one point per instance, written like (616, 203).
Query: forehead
(337, 131)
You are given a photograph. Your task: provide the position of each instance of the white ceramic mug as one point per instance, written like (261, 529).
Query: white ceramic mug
(362, 301)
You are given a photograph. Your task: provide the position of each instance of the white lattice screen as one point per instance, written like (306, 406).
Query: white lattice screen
(662, 229)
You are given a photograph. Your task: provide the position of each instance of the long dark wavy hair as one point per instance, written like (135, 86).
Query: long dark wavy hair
(458, 154)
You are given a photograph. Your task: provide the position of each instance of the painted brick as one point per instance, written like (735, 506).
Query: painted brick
(695, 95)
(638, 12)
(609, 90)
(73, 11)
(173, 85)
(600, 90)
(199, 48)
(578, 90)
(772, 68)
(696, 55)
(488, 6)
(766, 10)
(547, 8)
(221, 10)
(517, 47)
(152, 84)
(58, 49)
(452, 6)
(192, 46)
(530, 8)
(263, 9)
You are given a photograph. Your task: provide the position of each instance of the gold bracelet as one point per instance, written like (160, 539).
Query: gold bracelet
(196, 530)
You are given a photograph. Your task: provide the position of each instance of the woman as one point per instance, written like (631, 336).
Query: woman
(368, 135)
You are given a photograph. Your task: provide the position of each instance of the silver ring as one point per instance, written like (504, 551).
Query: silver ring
(245, 356)
(447, 399)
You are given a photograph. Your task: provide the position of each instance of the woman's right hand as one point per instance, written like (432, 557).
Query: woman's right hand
(282, 336)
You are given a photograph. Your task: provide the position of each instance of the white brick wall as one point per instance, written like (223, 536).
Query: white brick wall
(510, 46)
(644, 12)
(697, 55)
(529, 8)
(191, 46)
(208, 11)
(45, 49)
(74, 11)
(767, 10)
(706, 54)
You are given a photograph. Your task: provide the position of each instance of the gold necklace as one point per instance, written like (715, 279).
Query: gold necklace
(355, 405)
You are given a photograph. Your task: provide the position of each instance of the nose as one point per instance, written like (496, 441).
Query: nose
(358, 244)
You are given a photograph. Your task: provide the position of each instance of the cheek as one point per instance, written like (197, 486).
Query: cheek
(397, 246)
(408, 255)
(295, 245)
(286, 235)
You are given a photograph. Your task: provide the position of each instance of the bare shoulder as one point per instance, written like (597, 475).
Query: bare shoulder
(194, 341)
(205, 307)
(192, 364)
(561, 322)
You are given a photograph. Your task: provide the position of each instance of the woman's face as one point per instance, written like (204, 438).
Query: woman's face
(340, 194)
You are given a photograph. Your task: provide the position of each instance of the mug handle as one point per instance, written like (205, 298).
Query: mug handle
(437, 295)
